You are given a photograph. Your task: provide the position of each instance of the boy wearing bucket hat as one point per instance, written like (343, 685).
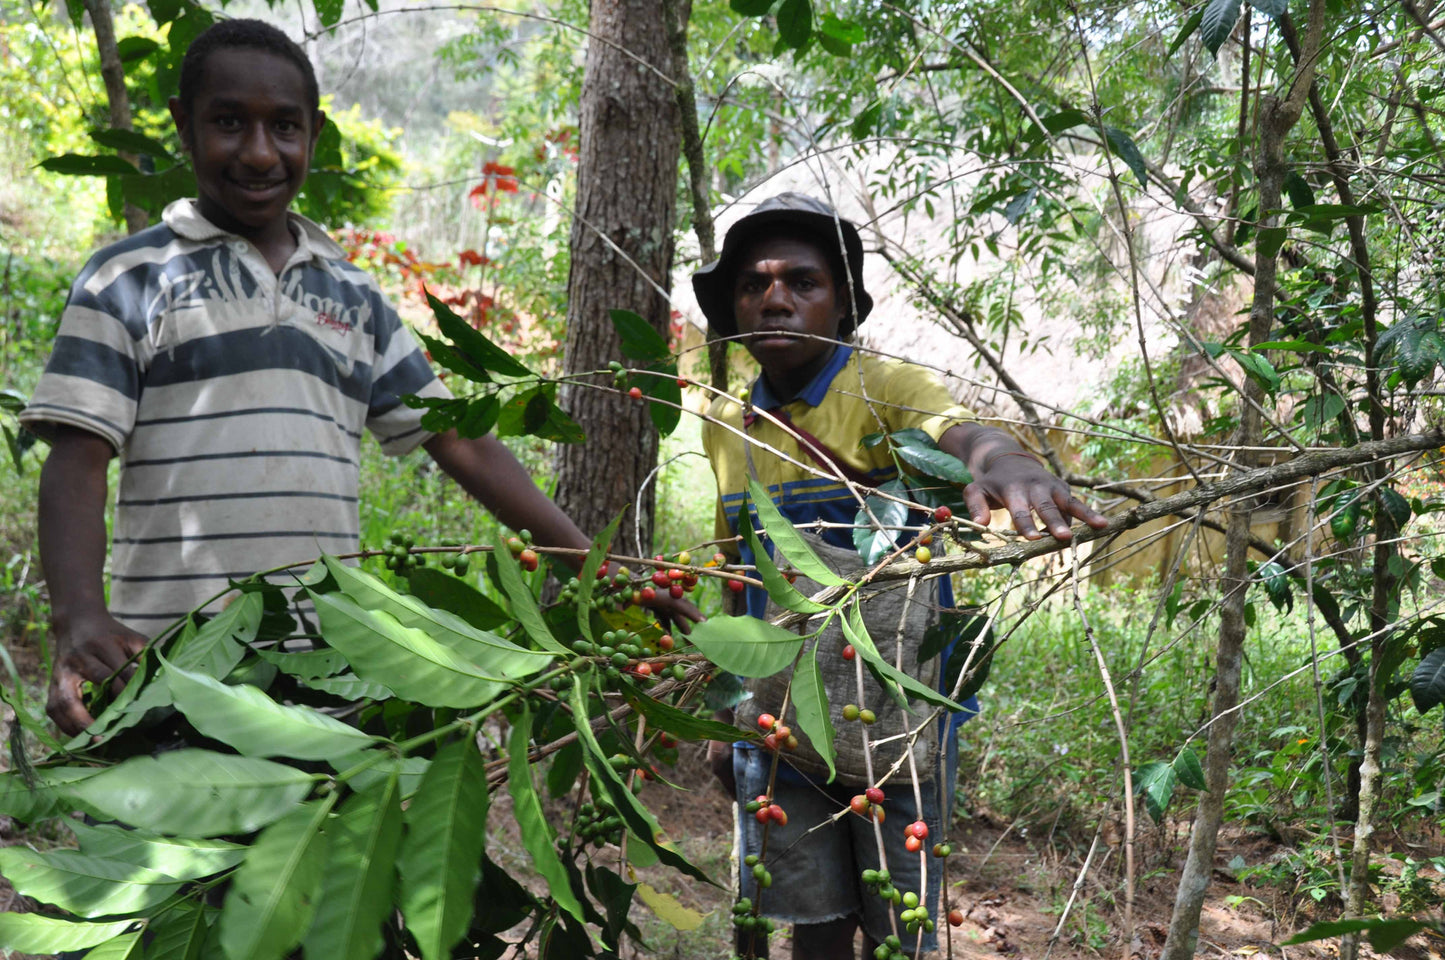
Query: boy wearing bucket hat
(789, 285)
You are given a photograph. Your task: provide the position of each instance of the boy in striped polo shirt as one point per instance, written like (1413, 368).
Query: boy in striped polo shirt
(789, 280)
(230, 356)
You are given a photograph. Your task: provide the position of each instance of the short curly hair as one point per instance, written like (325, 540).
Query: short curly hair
(251, 34)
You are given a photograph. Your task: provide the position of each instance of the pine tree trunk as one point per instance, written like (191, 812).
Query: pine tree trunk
(626, 201)
(112, 72)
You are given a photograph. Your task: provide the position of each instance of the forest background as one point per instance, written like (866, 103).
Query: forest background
(1188, 252)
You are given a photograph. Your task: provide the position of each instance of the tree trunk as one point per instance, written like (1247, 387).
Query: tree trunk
(1277, 117)
(112, 71)
(621, 255)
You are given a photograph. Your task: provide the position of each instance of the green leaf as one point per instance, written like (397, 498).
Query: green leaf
(195, 793)
(795, 23)
(1125, 149)
(181, 932)
(971, 635)
(132, 49)
(1396, 506)
(1301, 194)
(329, 11)
(787, 539)
(532, 822)
(33, 933)
(934, 462)
(1326, 212)
(348, 686)
(219, 644)
(495, 655)
(638, 818)
(833, 45)
(1273, 9)
(751, 8)
(438, 589)
(406, 660)
(82, 885)
(639, 340)
(524, 605)
(811, 700)
(1384, 934)
(308, 664)
(857, 634)
(1417, 352)
(1258, 368)
(1190, 25)
(247, 719)
(1155, 782)
(45, 797)
(587, 578)
(844, 30)
(359, 878)
(128, 141)
(77, 165)
(784, 594)
(666, 414)
(273, 894)
(1269, 240)
(679, 723)
(1057, 123)
(457, 362)
(1188, 769)
(446, 827)
(1217, 23)
(746, 646)
(124, 947)
(472, 345)
(874, 544)
(183, 859)
(1427, 684)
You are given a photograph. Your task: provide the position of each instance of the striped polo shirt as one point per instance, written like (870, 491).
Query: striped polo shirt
(235, 398)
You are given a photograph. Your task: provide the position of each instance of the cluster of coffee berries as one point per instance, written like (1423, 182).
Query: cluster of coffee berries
(672, 580)
(880, 883)
(619, 375)
(765, 810)
(851, 713)
(521, 548)
(623, 650)
(775, 734)
(599, 824)
(743, 917)
(890, 949)
(915, 914)
(913, 836)
(869, 803)
(761, 874)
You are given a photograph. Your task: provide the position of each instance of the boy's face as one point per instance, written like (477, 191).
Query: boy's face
(783, 288)
(250, 132)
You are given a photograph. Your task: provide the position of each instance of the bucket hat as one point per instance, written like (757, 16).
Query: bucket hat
(713, 284)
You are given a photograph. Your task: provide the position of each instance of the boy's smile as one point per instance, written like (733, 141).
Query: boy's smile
(783, 297)
(250, 132)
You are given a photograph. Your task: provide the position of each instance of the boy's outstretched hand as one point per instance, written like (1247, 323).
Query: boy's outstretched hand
(1006, 477)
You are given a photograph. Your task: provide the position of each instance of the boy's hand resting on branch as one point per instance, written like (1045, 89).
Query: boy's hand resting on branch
(678, 612)
(1005, 477)
(94, 648)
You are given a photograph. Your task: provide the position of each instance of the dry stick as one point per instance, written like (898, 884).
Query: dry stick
(1383, 582)
(1326, 764)
(697, 171)
(1277, 118)
(1124, 761)
(1074, 893)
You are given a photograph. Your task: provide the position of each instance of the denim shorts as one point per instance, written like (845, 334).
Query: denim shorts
(816, 872)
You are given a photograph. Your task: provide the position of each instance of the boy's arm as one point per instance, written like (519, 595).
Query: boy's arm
(90, 644)
(1018, 484)
(486, 469)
